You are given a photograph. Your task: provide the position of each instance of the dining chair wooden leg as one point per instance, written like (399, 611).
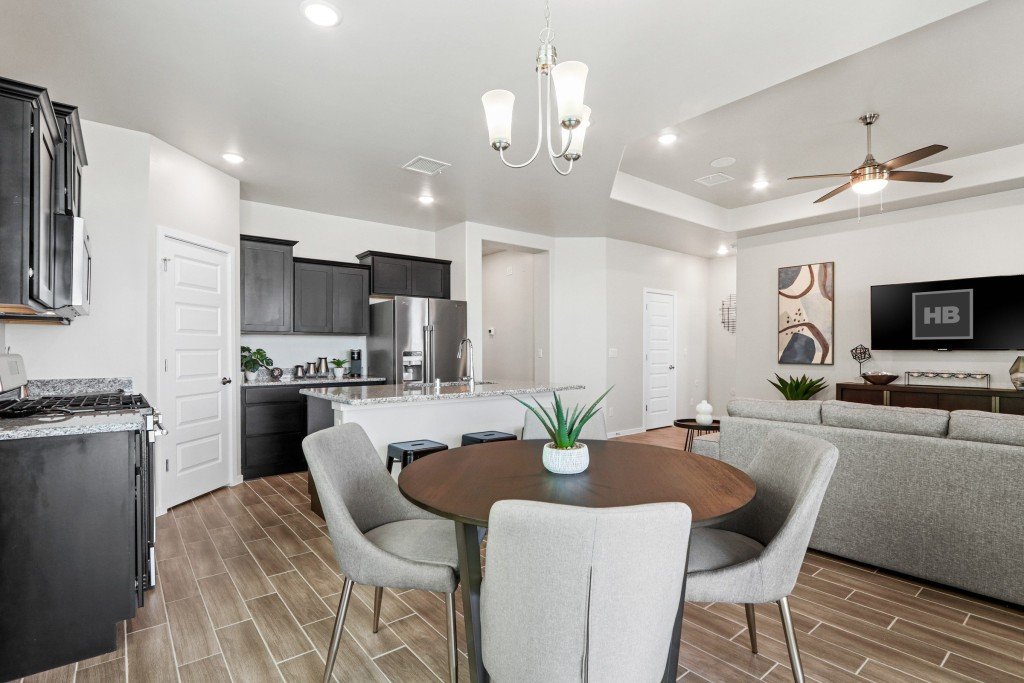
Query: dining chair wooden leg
(339, 627)
(794, 653)
(752, 627)
(378, 596)
(453, 651)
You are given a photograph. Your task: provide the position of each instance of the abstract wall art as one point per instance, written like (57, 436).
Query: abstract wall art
(806, 314)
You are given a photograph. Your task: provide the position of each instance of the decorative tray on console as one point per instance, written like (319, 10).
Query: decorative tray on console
(931, 374)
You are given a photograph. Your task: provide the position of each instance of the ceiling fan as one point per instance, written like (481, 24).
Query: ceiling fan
(871, 176)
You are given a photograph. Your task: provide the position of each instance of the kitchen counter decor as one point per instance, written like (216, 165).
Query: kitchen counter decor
(564, 454)
(252, 361)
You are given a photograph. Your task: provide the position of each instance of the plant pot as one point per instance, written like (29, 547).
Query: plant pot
(338, 372)
(566, 460)
(249, 376)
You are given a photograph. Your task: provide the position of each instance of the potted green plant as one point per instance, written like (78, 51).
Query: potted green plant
(564, 454)
(339, 367)
(798, 388)
(252, 361)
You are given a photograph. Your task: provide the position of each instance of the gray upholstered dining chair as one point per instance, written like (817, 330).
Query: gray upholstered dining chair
(594, 430)
(574, 593)
(380, 539)
(755, 556)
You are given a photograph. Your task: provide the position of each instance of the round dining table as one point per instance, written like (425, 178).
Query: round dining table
(462, 484)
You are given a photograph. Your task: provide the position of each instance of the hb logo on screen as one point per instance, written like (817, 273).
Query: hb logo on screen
(947, 314)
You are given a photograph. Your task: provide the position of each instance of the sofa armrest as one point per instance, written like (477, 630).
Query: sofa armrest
(707, 444)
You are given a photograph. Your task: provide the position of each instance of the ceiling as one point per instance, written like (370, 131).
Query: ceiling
(326, 117)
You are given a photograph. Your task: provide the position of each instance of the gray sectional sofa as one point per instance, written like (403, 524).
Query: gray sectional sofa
(928, 493)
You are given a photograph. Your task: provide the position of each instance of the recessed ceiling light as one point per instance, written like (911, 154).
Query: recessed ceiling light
(667, 138)
(722, 250)
(232, 158)
(321, 13)
(760, 184)
(723, 162)
(426, 199)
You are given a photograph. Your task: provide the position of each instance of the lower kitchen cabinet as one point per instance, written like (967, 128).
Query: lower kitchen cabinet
(273, 427)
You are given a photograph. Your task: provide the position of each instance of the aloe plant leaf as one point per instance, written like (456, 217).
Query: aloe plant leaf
(543, 421)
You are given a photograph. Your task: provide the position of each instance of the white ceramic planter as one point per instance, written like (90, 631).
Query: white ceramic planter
(566, 460)
(338, 372)
(249, 376)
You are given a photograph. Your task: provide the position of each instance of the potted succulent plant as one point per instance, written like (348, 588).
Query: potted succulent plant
(798, 388)
(564, 454)
(252, 361)
(339, 367)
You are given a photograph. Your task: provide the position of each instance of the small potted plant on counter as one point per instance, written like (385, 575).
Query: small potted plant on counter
(252, 361)
(798, 388)
(339, 367)
(564, 454)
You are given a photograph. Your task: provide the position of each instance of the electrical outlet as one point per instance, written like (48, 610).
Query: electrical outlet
(613, 353)
(540, 352)
(490, 331)
(508, 271)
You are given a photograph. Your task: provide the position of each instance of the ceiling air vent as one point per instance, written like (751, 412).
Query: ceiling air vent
(714, 179)
(426, 165)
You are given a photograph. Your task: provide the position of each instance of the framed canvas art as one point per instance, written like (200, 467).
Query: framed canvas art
(806, 314)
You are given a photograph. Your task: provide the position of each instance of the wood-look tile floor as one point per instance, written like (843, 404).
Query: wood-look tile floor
(248, 587)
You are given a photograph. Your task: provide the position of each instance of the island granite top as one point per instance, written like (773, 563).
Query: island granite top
(385, 394)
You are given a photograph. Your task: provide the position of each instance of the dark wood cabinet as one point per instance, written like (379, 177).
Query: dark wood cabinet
(267, 283)
(331, 297)
(940, 397)
(71, 159)
(402, 275)
(274, 423)
(29, 141)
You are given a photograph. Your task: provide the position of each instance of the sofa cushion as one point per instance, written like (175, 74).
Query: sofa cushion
(977, 425)
(893, 419)
(804, 412)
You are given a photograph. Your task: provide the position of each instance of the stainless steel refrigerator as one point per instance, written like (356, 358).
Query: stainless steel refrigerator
(417, 340)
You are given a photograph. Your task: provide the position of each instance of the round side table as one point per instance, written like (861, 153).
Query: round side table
(694, 429)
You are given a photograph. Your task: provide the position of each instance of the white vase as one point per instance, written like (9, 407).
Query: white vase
(704, 410)
(338, 372)
(249, 376)
(566, 460)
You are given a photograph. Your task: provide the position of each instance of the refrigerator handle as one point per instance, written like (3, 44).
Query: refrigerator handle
(428, 354)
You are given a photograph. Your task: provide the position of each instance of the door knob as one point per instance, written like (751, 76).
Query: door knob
(225, 380)
(671, 367)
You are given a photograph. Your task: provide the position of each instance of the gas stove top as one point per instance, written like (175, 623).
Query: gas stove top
(71, 405)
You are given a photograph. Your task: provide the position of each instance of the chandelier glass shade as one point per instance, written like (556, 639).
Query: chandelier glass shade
(569, 80)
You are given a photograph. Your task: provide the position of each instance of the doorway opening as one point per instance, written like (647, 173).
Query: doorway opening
(515, 312)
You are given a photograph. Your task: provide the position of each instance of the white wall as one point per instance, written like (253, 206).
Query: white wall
(541, 317)
(630, 268)
(507, 309)
(967, 238)
(721, 343)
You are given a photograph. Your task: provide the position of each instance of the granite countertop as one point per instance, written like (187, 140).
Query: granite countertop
(384, 394)
(64, 425)
(266, 381)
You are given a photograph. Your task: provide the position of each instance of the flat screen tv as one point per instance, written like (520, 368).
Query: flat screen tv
(981, 313)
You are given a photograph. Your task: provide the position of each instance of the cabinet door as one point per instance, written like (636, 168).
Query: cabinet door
(266, 287)
(313, 295)
(351, 301)
(429, 279)
(42, 237)
(391, 276)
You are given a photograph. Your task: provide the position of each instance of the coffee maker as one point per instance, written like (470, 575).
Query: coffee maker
(355, 362)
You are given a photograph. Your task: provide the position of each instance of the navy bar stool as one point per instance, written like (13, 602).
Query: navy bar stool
(486, 437)
(405, 452)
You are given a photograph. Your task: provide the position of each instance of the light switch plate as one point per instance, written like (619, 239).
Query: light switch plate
(613, 353)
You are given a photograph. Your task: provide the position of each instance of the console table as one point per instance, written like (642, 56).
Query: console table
(941, 397)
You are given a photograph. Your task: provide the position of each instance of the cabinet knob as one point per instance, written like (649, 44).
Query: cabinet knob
(225, 380)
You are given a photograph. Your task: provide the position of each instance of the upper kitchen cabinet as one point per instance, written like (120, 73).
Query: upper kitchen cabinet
(70, 160)
(401, 275)
(267, 283)
(331, 297)
(29, 147)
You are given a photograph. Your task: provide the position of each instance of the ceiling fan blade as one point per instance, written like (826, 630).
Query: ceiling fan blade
(916, 155)
(820, 175)
(919, 176)
(833, 193)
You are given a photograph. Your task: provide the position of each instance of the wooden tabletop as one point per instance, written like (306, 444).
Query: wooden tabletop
(463, 483)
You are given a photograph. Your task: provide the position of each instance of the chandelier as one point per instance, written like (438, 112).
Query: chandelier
(570, 79)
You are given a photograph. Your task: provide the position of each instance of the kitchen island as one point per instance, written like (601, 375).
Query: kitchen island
(405, 412)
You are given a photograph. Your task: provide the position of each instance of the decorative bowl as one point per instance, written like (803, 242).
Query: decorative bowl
(879, 377)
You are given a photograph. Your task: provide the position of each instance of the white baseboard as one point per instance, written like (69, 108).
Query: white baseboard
(627, 432)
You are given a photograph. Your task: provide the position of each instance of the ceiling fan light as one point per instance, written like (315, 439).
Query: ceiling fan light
(498, 110)
(575, 150)
(570, 79)
(870, 186)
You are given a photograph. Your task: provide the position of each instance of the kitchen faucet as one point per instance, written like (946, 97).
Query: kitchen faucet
(471, 377)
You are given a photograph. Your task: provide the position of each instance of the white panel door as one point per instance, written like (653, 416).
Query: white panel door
(195, 387)
(659, 359)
